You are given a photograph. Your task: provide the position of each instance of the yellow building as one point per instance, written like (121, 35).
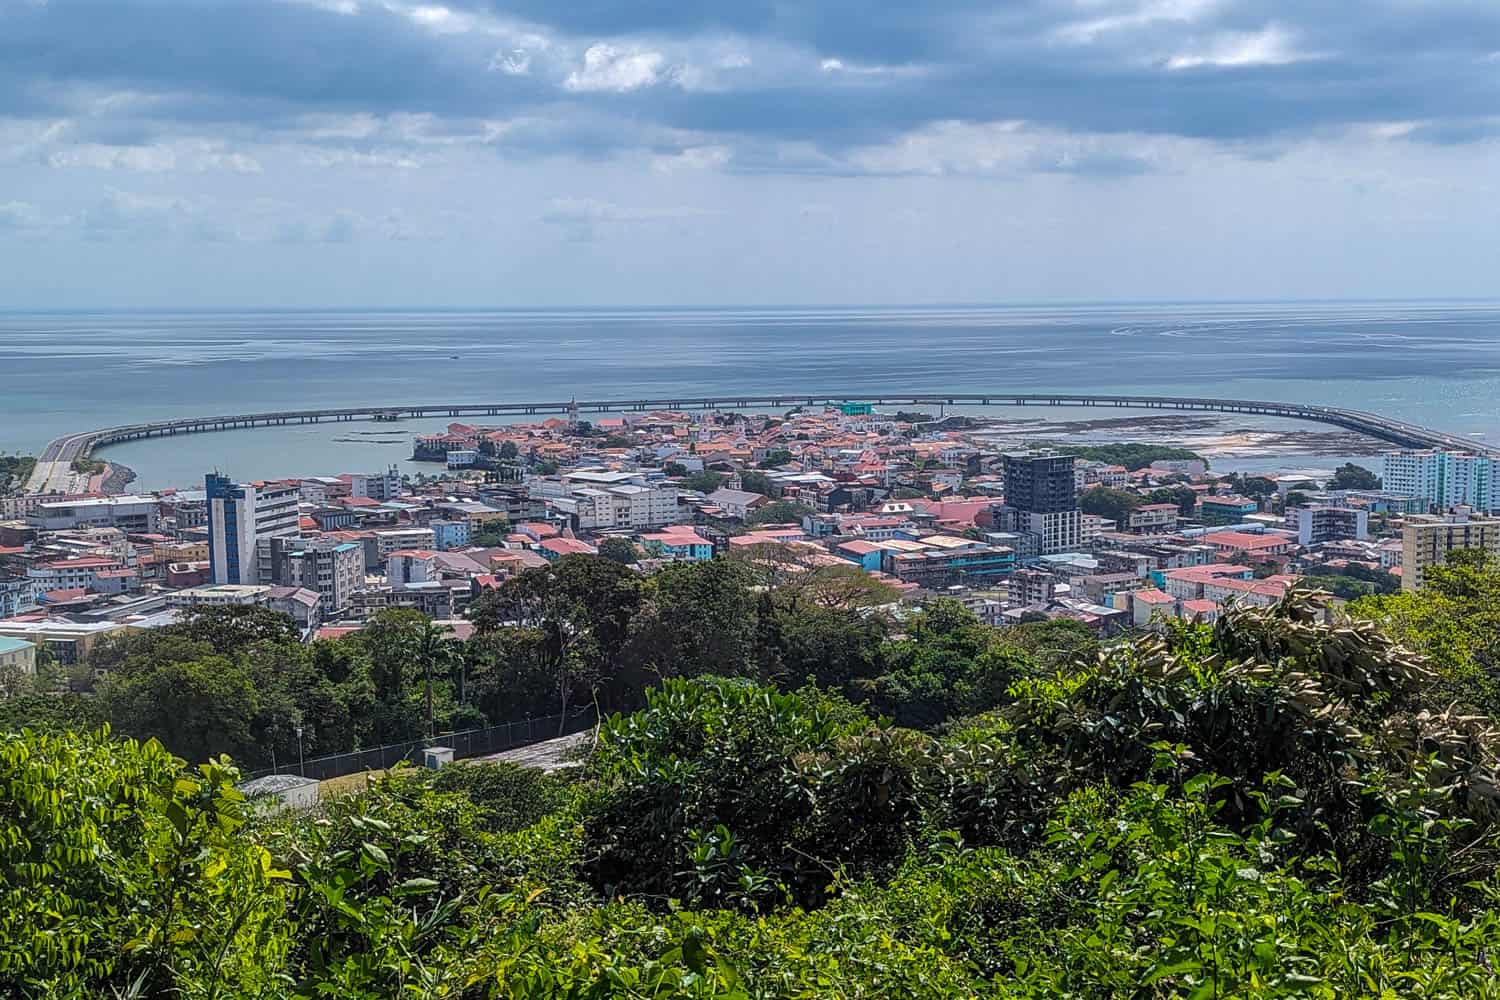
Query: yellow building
(1428, 542)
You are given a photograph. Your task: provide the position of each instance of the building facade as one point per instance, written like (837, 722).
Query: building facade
(239, 514)
(333, 569)
(128, 513)
(1318, 524)
(1427, 543)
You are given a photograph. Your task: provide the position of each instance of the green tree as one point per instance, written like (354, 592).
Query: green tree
(583, 606)
(1183, 496)
(704, 482)
(198, 709)
(1353, 477)
(701, 620)
(780, 512)
(508, 451)
(757, 482)
(620, 550)
(230, 628)
(776, 459)
(1113, 504)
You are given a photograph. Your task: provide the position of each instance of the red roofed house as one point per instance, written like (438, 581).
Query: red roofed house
(1146, 603)
(862, 553)
(1235, 543)
(554, 549)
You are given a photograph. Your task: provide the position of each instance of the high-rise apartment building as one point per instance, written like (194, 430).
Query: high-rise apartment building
(1427, 543)
(1443, 479)
(239, 514)
(1042, 490)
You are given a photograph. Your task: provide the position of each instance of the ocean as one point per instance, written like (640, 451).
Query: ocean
(1433, 363)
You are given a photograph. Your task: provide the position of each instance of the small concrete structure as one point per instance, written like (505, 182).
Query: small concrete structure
(275, 792)
(437, 757)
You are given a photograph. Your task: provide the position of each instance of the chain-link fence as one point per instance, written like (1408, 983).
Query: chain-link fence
(469, 743)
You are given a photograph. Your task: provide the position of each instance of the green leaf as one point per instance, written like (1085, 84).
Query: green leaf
(416, 886)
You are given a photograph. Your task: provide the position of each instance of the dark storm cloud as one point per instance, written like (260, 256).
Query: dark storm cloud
(835, 74)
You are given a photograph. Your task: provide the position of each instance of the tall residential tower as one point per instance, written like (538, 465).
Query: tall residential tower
(239, 514)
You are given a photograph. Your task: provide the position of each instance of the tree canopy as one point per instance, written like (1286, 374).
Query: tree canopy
(1353, 477)
(1272, 806)
(1109, 503)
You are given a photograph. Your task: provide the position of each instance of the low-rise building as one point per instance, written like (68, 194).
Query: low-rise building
(332, 568)
(1225, 509)
(737, 504)
(17, 656)
(1153, 519)
(220, 595)
(943, 560)
(448, 535)
(680, 542)
(408, 566)
(554, 549)
(388, 540)
(128, 513)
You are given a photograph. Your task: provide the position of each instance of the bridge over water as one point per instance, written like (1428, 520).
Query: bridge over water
(61, 452)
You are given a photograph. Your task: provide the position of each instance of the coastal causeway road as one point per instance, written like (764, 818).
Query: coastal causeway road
(53, 473)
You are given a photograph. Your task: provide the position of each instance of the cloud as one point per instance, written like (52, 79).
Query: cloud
(608, 68)
(1272, 45)
(587, 219)
(132, 85)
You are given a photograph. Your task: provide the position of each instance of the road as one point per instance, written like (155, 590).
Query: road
(53, 472)
(549, 755)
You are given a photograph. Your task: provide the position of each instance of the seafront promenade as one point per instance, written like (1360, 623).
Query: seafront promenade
(54, 464)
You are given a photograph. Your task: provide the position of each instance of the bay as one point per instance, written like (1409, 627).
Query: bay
(1435, 363)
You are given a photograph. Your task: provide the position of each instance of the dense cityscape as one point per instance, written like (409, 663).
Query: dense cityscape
(1117, 537)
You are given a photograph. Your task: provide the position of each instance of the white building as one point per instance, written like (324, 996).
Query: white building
(239, 514)
(129, 513)
(380, 486)
(405, 567)
(219, 595)
(1443, 479)
(602, 499)
(1321, 523)
(1059, 531)
(393, 539)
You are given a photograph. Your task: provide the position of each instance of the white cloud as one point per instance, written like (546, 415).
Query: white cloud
(1142, 15)
(607, 68)
(693, 158)
(1273, 45)
(235, 163)
(144, 159)
(384, 159)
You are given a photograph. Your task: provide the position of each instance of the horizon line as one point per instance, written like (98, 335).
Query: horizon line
(740, 306)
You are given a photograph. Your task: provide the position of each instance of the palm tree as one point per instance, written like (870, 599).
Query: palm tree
(433, 647)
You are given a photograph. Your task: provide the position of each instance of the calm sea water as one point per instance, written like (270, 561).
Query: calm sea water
(1432, 363)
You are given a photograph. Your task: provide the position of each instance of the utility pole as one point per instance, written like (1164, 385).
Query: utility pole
(301, 764)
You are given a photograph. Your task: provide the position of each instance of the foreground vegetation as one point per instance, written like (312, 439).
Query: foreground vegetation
(1272, 806)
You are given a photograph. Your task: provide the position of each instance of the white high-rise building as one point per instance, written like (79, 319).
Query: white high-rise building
(1413, 474)
(238, 515)
(1444, 479)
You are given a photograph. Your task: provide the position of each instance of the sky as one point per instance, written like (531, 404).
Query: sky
(295, 153)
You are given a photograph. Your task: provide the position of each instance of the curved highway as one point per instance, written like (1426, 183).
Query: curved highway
(52, 468)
